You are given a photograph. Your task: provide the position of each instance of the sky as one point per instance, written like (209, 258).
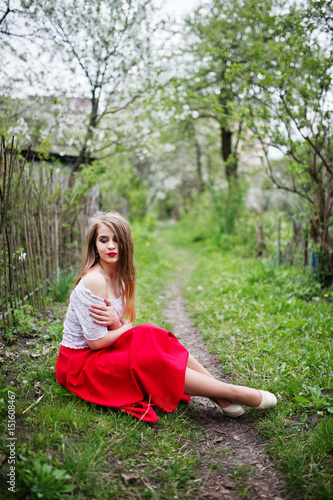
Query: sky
(179, 8)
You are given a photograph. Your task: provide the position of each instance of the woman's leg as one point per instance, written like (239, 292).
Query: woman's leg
(196, 366)
(200, 384)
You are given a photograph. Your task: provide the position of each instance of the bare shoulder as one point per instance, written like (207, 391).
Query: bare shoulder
(96, 283)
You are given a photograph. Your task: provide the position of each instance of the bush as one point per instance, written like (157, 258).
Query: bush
(61, 286)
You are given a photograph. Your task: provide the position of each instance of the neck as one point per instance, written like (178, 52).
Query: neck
(110, 271)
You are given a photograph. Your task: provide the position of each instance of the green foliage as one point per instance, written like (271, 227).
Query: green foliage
(228, 206)
(154, 263)
(218, 225)
(61, 286)
(216, 39)
(291, 78)
(23, 321)
(55, 329)
(44, 481)
(7, 115)
(122, 189)
(258, 68)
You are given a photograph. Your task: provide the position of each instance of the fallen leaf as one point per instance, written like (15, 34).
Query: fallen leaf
(48, 348)
(129, 478)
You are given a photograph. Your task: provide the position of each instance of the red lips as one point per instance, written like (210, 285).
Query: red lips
(112, 254)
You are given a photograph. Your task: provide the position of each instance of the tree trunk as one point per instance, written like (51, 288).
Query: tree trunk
(228, 155)
(261, 245)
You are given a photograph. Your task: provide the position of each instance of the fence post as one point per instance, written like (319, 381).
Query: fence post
(313, 263)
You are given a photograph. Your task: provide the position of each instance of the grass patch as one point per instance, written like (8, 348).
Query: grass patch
(272, 328)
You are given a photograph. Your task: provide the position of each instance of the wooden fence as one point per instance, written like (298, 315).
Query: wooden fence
(42, 228)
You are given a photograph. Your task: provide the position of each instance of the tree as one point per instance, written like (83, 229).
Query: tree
(219, 36)
(102, 50)
(320, 14)
(9, 13)
(290, 109)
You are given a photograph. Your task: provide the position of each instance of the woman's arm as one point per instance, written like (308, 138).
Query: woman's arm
(109, 338)
(102, 315)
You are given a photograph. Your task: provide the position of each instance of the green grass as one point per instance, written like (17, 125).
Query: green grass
(272, 329)
(69, 448)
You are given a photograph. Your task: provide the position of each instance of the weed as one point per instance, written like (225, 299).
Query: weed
(44, 481)
(316, 403)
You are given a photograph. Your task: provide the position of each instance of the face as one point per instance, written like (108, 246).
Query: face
(107, 245)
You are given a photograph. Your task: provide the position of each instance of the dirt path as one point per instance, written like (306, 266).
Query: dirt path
(233, 463)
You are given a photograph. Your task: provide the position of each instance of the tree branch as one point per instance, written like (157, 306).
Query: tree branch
(6, 13)
(306, 138)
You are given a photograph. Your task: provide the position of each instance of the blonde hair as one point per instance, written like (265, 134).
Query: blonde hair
(126, 268)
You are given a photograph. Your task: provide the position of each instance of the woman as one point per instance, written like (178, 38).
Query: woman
(105, 360)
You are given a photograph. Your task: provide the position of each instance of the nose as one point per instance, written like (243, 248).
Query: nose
(111, 244)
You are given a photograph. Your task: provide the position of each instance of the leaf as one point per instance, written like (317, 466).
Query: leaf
(302, 400)
(68, 488)
(304, 417)
(129, 477)
(317, 392)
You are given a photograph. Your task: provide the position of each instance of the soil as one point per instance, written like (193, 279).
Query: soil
(233, 462)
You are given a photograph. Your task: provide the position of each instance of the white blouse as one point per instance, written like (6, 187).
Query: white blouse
(79, 326)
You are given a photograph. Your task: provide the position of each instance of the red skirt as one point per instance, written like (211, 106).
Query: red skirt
(143, 369)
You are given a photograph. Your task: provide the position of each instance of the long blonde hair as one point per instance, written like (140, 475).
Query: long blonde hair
(126, 268)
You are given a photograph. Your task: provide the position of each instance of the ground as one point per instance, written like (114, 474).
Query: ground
(233, 462)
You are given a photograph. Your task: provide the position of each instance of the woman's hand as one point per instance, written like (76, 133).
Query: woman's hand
(105, 315)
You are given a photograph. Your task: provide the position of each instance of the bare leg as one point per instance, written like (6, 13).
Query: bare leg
(200, 384)
(196, 366)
